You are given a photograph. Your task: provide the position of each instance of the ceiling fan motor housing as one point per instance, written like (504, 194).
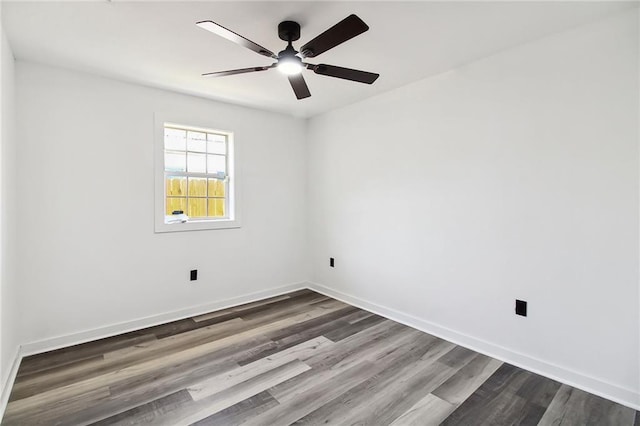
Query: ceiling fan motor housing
(289, 31)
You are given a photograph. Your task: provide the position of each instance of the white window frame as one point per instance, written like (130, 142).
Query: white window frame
(232, 220)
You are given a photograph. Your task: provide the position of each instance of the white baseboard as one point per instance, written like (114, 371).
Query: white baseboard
(8, 384)
(125, 327)
(593, 385)
(581, 381)
(150, 321)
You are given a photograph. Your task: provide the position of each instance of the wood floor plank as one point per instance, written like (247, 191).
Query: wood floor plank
(329, 365)
(429, 411)
(301, 292)
(496, 401)
(215, 403)
(572, 406)
(118, 359)
(145, 388)
(458, 356)
(385, 346)
(538, 390)
(276, 314)
(49, 411)
(351, 329)
(312, 398)
(381, 399)
(375, 338)
(294, 304)
(298, 298)
(238, 413)
(36, 364)
(301, 357)
(149, 412)
(311, 323)
(180, 374)
(280, 308)
(191, 337)
(26, 381)
(328, 323)
(358, 316)
(391, 392)
(296, 406)
(240, 308)
(256, 309)
(243, 373)
(467, 380)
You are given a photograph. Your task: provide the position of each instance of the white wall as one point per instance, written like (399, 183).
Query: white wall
(87, 253)
(8, 283)
(512, 177)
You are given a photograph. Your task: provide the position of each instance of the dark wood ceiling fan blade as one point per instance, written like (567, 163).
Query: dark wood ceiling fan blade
(345, 73)
(299, 86)
(238, 71)
(234, 37)
(344, 30)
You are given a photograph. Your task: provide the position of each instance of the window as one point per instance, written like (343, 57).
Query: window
(197, 188)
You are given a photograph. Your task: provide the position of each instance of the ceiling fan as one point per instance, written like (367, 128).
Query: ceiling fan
(289, 61)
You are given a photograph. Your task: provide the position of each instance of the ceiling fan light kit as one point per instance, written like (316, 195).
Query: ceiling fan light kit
(290, 61)
(290, 66)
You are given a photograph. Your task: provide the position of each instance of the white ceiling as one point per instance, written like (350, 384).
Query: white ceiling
(158, 44)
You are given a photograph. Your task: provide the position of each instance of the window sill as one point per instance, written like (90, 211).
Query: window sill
(197, 225)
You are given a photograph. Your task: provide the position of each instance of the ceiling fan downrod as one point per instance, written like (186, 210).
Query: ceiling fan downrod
(288, 61)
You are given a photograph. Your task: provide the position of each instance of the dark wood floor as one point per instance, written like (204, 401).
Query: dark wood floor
(302, 358)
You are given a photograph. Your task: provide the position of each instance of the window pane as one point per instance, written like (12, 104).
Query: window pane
(197, 207)
(197, 187)
(174, 162)
(176, 186)
(196, 163)
(176, 204)
(216, 164)
(216, 144)
(216, 207)
(175, 139)
(216, 188)
(196, 141)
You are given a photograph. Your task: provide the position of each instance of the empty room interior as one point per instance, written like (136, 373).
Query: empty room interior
(314, 212)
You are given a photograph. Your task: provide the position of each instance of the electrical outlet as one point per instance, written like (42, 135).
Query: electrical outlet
(521, 308)
(332, 262)
(194, 274)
